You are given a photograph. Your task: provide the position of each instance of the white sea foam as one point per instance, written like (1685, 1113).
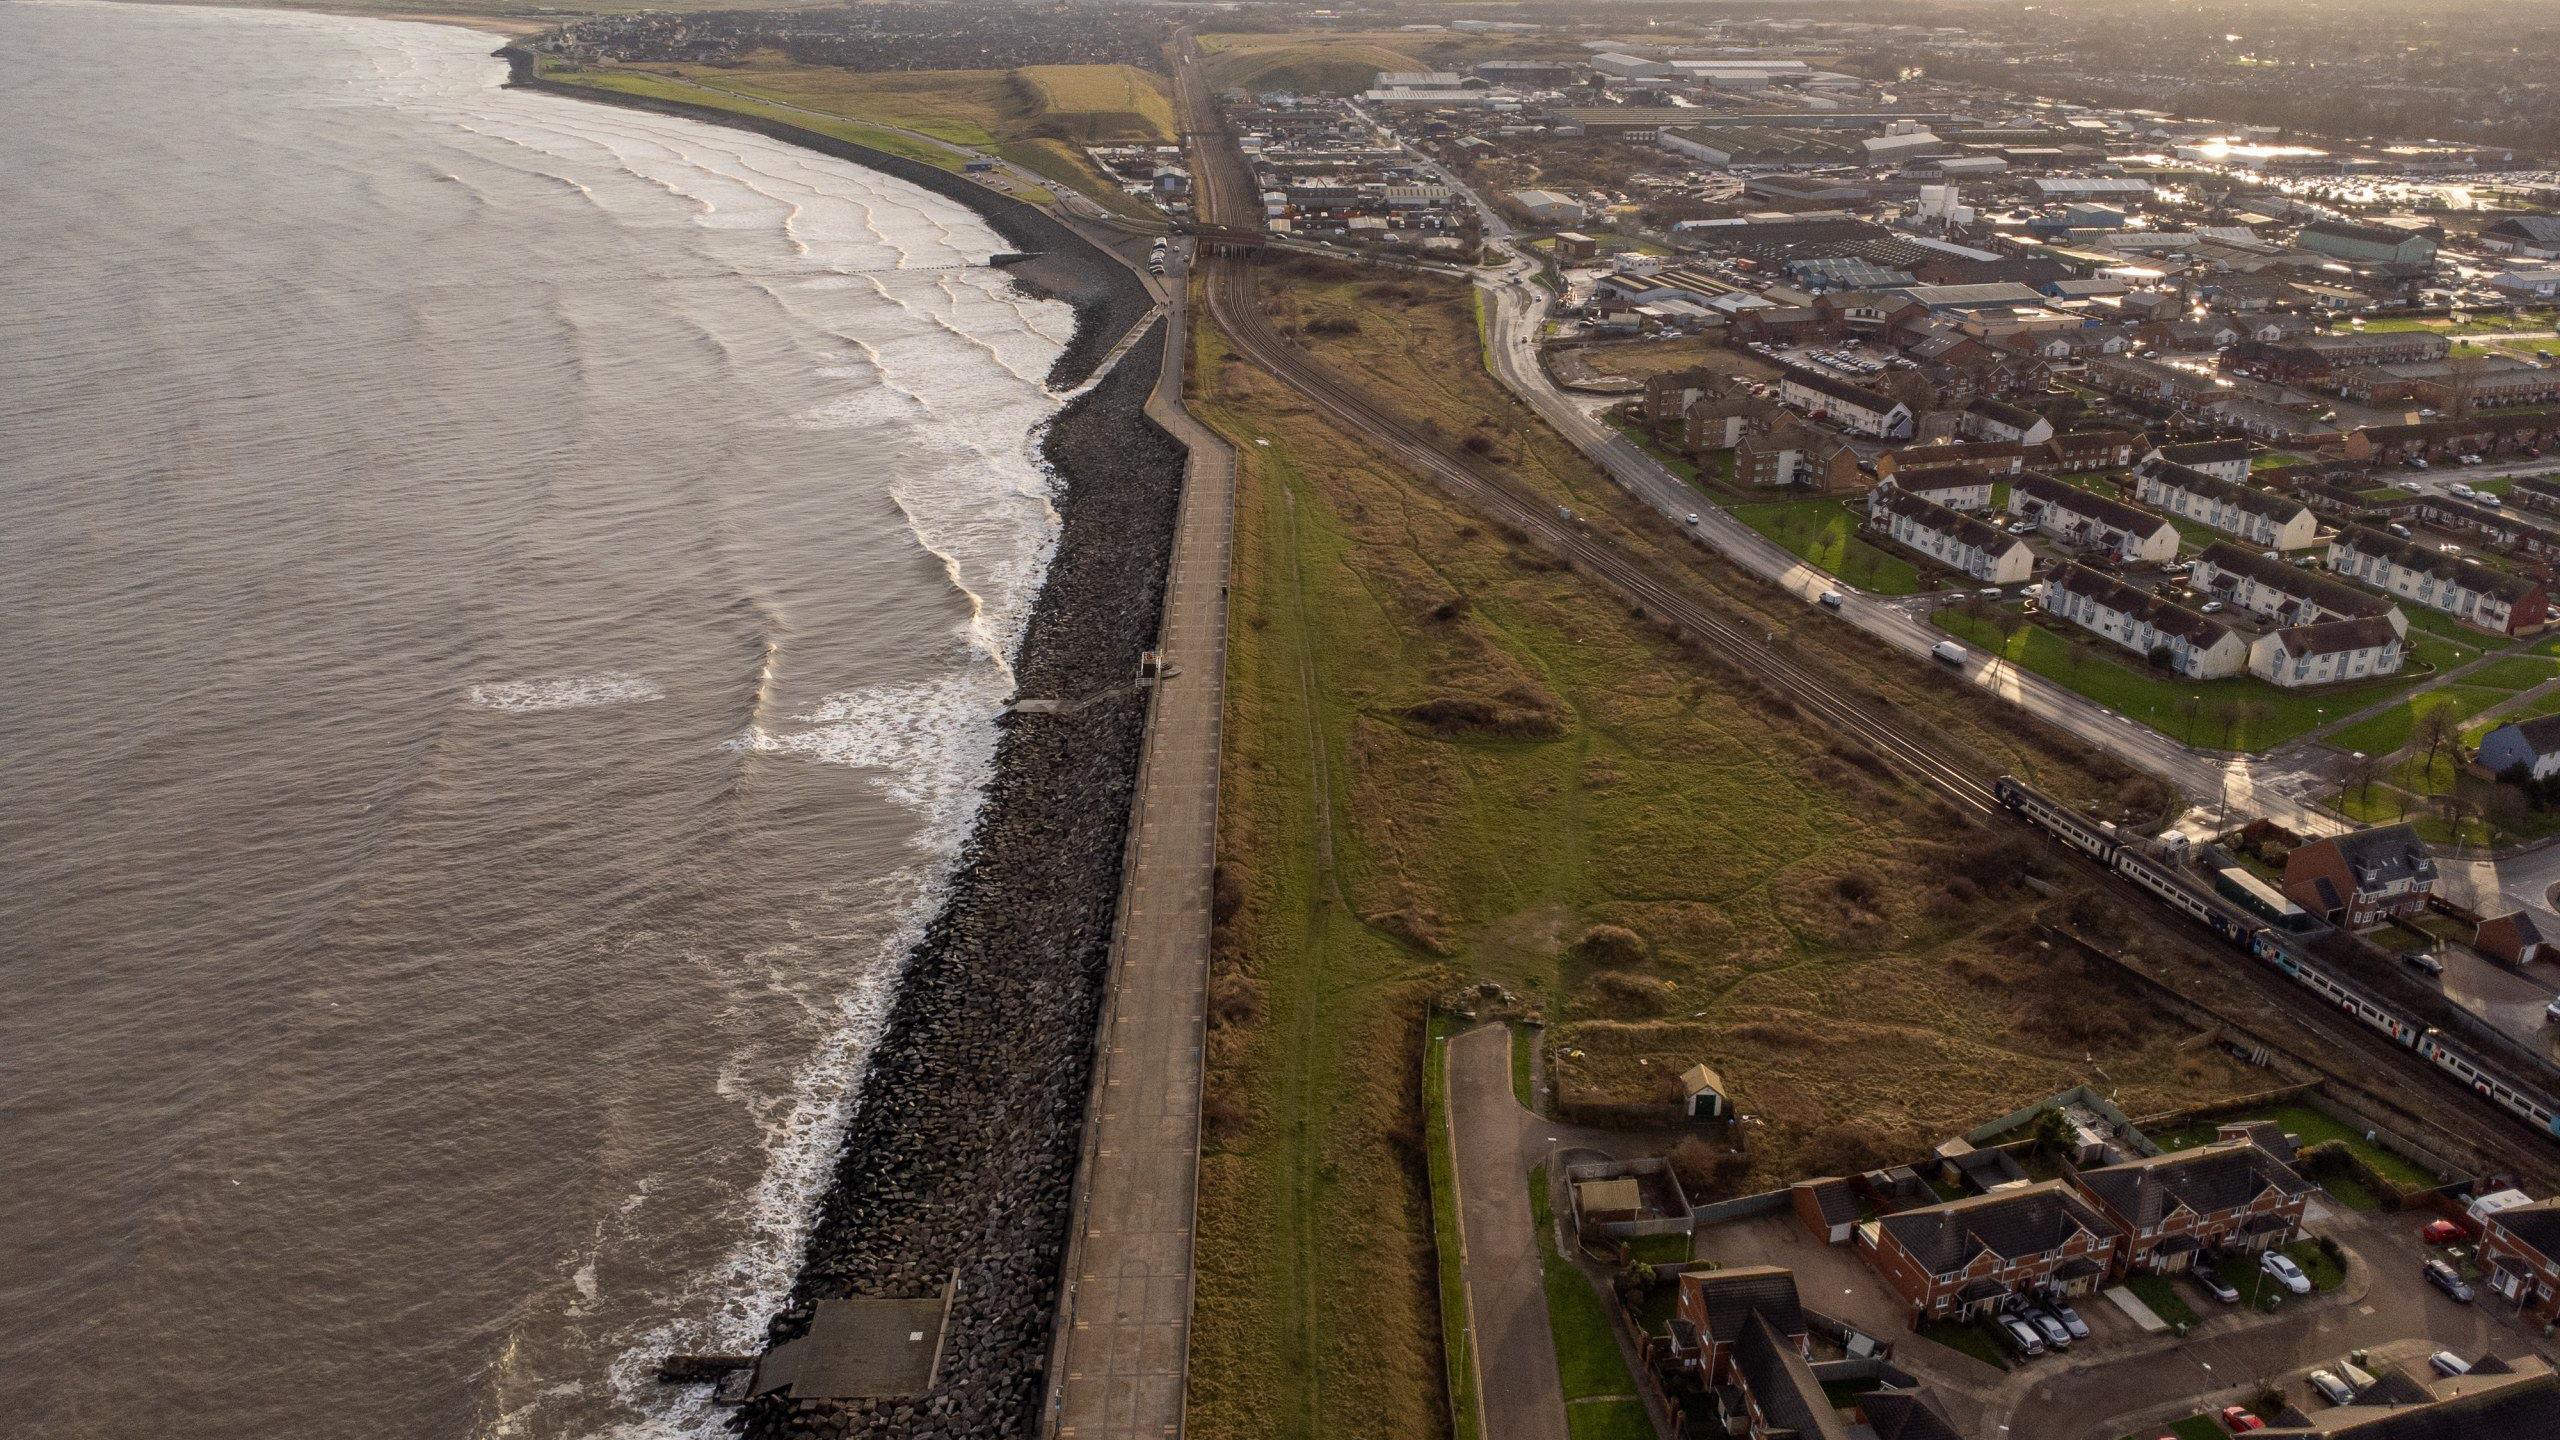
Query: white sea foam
(569, 692)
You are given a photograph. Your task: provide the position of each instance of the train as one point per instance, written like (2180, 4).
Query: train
(2262, 941)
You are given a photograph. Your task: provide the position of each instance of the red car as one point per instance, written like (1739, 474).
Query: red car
(2239, 1421)
(2443, 1232)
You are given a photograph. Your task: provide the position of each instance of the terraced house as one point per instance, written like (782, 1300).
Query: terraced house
(2163, 631)
(2092, 521)
(2287, 594)
(1853, 408)
(1952, 538)
(1958, 487)
(2473, 593)
(2328, 652)
(2173, 1208)
(1968, 1257)
(2262, 519)
(2521, 1249)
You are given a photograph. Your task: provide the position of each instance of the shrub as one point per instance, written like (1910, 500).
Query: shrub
(1613, 946)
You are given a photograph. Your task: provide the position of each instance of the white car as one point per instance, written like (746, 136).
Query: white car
(1693, 517)
(2331, 1388)
(2281, 1267)
(2463, 492)
(2412, 486)
(2492, 501)
(2448, 1364)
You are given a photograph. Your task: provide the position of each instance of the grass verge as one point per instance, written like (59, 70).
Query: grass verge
(1824, 533)
(1587, 1353)
(1457, 1336)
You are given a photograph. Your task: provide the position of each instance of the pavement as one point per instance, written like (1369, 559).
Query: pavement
(1518, 1385)
(1120, 1357)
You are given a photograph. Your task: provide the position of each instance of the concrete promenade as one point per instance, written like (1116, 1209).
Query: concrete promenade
(1123, 1342)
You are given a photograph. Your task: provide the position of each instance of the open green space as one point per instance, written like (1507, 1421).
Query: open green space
(2240, 712)
(1824, 533)
(1587, 1353)
(2383, 733)
(1659, 1249)
(1971, 1337)
(1622, 1419)
(2515, 672)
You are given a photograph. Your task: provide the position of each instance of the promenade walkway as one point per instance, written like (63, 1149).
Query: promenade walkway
(1123, 1343)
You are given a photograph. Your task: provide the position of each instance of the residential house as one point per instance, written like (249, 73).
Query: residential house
(1898, 1414)
(2193, 645)
(1742, 1332)
(2267, 520)
(2501, 527)
(1956, 540)
(2176, 1207)
(2433, 440)
(1718, 422)
(1668, 396)
(2327, 652)
(1958, 487)
(2361, 879)
(2286, 594)
(1827, 1208)
(2189, 333)
(1969, 1257)
(2092, 521)
(2474, 593)
(2537, 492)
(2510, 939)
(2000, 421)
(2221, 459)
(2316, 359)
(2520, 1250)
(1853, 408)
(1794, 453)
(2531, 746)
(2076, 451)
(2135, 378)
(1997, 458)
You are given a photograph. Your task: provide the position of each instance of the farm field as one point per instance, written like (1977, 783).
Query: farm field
(1451, 759)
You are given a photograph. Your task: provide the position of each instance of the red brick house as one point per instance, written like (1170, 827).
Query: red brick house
(1968, 1257)
(1742, 1332)
(1794, 453)
(1828, 1209)
(2520, 1249)
(2000, 457)
(2512, 938)
(2174, 1207)
(2360, 880)
(2074, 451)
(1715, 1304)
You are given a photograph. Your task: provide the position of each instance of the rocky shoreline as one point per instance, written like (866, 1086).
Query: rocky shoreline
(959, 1161)
(1061, 265)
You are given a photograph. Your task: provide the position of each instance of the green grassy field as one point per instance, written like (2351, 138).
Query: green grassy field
(2262, 715)
(2381, 734)
(1608, 1420)
(1824, 533)
(729, 97)
(1099, 104)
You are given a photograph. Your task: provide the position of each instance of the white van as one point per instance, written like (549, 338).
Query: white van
(1953, 654)
(1830, 600)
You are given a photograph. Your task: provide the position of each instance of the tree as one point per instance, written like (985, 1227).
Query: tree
(2189, 707)
(2361, 770)
(2435, 731)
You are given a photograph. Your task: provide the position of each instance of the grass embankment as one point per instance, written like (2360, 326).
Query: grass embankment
(1304, 63)
(1456, 1334)
(1449, 757)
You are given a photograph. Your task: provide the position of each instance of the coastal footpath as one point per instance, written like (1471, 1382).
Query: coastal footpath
(960, 1158)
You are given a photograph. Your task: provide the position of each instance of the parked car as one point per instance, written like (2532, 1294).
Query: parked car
(2448, 1364)
(2021, 1336)
(2492, 501)
(2061, 1310)
(2426, 962)
(2447, 1279)
(2056, 1337)
(2280, 1267)
(2331, 1388)
(2239, 1421)
(2443, 1232)
(2417, 462)
(2464, 492)
(2215, 1286)
(2551, 1011)
(2401, 530)
(2412, 486)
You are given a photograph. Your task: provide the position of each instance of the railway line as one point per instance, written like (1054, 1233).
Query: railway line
(2423, 1097)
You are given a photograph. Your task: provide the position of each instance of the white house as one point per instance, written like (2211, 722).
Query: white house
(1958, 487)
(2327, 652)
(1951, 537)
(2287, 594)
(2091, 521)
(2221, 459)
(1853, 408)
(1998, 420)
(2490, 599)
(2260, 517)
(2532, 745)
(2194, 645)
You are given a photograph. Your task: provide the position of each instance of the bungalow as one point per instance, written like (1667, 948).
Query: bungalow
(2520, 1248)
(1956, 540)
(2221, 459)
(1996, 457)
(2093, 521)
(1968, 1257)
(1958, 487)
(2490, 599)
(1998, 420)
(1794, 453)
(2531, 746)
(2262, 519)
(2230, 1195)
(2196, 646)
(1851, 407)
(2075, 451)
(2361, 879)
(2511, 939)
(2285, 594)
(2327, 652)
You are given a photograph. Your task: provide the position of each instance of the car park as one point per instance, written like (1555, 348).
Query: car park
(2447, 1279)
(2217, 1287)
(2448, 1364)
(2331, 1388)
(2021, 1336)
(2278, 1266)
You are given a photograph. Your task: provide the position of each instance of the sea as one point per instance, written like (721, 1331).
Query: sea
(504, 603)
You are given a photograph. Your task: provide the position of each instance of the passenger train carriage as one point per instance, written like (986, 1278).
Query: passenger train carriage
(2103, 843)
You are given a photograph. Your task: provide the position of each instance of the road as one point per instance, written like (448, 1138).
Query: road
(1519, 1388)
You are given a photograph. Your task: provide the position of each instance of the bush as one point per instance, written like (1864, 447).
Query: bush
(1857, 887)
(1708, 1171)
(1613, 946)
(1848, 1149)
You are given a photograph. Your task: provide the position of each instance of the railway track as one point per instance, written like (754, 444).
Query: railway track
(2424, 1098)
